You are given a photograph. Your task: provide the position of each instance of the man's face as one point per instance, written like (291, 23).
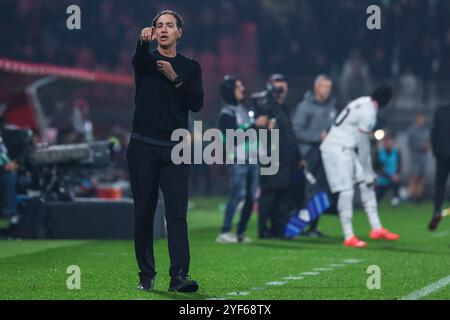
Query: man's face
(323, 89)
(167, 32)
(239, 91)
(282, 86)
(389, 143)
(420, 120)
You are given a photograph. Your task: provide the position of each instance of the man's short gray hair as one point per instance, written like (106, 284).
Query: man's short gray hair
(321, 77)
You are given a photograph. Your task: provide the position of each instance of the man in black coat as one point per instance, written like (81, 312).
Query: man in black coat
(440, 135)
(168, 86)
(274, 201)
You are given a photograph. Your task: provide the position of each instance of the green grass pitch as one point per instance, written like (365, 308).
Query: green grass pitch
(299, 269)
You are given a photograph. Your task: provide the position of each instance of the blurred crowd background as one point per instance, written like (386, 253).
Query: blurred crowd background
(248, 38)
(294, 37)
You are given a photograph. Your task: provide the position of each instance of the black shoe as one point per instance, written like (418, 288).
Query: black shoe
(434, 223)
(183, 284)
(146, 285)
(313, 234)
(309, 234)
(319, 233)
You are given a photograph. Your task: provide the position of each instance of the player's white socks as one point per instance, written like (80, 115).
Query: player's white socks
(345, 207)
(369, 201)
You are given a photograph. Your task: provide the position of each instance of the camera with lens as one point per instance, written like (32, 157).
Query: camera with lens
(264, 100)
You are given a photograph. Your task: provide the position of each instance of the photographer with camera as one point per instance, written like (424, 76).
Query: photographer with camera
(274, 201)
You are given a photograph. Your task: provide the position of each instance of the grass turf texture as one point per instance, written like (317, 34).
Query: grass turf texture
(37, 269)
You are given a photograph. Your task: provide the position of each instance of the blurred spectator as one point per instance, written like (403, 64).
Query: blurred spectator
(440, 134)
(388, 165)
(312, 120)
(355, 77)
(314, 115)
(81, 121)
(419, 146)
(408, 90)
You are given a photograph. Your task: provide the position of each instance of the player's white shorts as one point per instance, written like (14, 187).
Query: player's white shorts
(342, 168)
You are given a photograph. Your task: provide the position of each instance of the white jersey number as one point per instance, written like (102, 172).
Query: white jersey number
(342, 116)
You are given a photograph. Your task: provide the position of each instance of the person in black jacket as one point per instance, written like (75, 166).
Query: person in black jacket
(440, 134)
(274, 202)
(168, 86)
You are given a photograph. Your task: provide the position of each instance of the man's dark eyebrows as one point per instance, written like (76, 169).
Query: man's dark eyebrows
(170, 23)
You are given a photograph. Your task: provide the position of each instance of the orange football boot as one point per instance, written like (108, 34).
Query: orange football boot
(354, 242)
(383, 234)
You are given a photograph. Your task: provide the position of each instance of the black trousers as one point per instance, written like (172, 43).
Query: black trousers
(151, 167)
(274, 206)
(382, 190)
(315, 166)
(442, 172)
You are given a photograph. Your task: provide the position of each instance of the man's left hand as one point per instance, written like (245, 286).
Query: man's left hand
(166, 69)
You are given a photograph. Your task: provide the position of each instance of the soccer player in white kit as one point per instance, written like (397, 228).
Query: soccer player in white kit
(347, 161)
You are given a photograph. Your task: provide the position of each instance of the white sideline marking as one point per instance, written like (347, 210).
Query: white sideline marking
(322, 269)
(441, 234)
(336, 265)
(310, 273)
(276, 283)
(258, 289)
(351, 261)
(238, 293)
(293, 278)
(435, 286)
(289, 278)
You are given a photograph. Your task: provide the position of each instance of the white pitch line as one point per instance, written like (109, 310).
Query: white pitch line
(441, 234)
(293, 278)
(351, 261)
(258, 289)
(276, 283)
(310, 273)
(322, 269)
(435, 286)
(238, 293)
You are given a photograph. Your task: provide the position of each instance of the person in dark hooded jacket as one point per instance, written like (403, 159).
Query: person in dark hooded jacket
(243, 178)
